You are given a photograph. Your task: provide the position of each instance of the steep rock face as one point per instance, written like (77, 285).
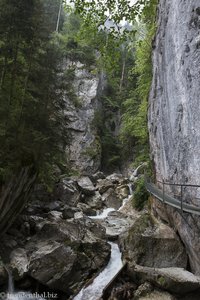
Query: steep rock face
(174, 112)
(85, 148)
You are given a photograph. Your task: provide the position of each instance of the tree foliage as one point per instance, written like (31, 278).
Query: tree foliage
(31, 121)
(134, 119)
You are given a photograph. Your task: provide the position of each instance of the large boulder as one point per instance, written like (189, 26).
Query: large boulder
(19, 263)
(66, 191)
(122, 191)
(175, 280)
(86, 186)
(115, 178)
(103, 185)
(153, 244)
(117, 223)
(95, 201)
(63, 254)
(111, 199)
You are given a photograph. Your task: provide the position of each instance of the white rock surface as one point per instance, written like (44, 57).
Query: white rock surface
(174, 122)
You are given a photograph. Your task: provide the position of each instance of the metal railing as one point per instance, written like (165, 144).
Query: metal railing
(161, 195)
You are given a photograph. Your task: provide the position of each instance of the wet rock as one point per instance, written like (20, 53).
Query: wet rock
(111, 199)
(86, 185)
(116, 223)
(175, 280)
(19, 263)
(152, 243)
(103, 185)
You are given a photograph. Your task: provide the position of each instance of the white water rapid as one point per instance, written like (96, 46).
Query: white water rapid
(129, 196)
(13, 295)
(95, 289)
(103, 215)
(106, 211)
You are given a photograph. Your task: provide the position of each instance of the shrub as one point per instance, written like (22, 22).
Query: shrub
(140, 196)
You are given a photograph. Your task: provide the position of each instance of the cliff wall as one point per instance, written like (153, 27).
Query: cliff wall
(174, 113)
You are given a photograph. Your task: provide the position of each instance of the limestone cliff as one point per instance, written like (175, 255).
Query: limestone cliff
(173, 120)
(84, 151)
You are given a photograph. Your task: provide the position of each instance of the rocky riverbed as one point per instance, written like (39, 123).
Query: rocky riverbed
(60, 242)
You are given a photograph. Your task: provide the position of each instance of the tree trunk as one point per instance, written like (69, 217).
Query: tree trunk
(14, 196)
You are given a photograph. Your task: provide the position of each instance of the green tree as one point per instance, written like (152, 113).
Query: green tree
(31, 119)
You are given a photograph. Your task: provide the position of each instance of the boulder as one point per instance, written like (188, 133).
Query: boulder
(54, 215)
(157, 295)
(103, 185)
(95, 201)
(66, 191)
(19, 263)
(53, 205)
(153, 244)
(144, 289)
(96, 176)
(115, 178)
(86, 186)
(122, 191)
(111, 199)
(64, 254)
(86, 209)
(116, 223)
(175, 280)
(68, 212)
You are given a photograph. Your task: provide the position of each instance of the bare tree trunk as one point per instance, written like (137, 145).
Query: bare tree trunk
(14, 196)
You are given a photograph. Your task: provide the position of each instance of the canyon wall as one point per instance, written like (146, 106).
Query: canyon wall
(84, 152)
(174, 113)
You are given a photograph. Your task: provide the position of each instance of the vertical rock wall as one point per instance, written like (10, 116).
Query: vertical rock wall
(174, 112)
(84, 151)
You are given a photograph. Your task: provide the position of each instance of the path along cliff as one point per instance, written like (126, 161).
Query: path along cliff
(173, 117)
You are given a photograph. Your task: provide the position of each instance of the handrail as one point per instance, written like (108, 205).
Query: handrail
(165, 198)
(179, 184)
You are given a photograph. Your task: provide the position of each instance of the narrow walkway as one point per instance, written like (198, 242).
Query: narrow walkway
(165, 198)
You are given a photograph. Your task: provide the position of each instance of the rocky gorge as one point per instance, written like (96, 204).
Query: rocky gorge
(84, 240)
(59, 248)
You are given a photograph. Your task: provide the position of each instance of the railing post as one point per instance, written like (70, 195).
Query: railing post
(163, 191)
(182, 198)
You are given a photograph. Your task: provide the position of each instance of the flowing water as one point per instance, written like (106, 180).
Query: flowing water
(106, 211)
(13, 295)
(103, 215)
(94, 290)
(129, 196)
